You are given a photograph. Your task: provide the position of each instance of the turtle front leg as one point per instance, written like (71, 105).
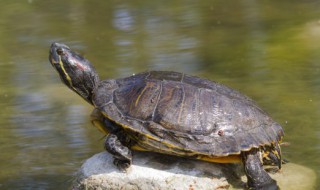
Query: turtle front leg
(122, 154)
(257, 177)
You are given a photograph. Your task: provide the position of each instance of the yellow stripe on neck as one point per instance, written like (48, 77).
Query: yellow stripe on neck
(65, 73)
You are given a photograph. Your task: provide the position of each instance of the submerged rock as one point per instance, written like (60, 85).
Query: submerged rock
(152, 171)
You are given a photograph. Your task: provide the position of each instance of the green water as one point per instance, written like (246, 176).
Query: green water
(269, 50)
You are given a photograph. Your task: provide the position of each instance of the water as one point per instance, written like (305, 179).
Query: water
(267, 50)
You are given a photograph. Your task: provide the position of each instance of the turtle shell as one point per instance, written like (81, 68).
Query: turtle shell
(180, 114)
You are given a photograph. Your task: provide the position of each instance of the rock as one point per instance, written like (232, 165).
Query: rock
(152, 171)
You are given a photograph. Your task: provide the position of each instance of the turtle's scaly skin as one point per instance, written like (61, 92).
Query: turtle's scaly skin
(174, 113)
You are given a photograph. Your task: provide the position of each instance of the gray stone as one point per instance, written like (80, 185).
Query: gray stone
(152, 171)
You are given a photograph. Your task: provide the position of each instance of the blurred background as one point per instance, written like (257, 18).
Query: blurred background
(268, 50)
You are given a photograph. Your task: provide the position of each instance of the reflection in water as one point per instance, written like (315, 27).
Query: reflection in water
(168, 48)
(47, 140)
(74, 131)
(256, 53)
(48, 136)
(162, 44)
(123, 20)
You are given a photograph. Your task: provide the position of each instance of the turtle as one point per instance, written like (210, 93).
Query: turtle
(176, 114)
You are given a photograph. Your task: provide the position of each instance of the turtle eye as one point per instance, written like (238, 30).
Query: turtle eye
(60, 51)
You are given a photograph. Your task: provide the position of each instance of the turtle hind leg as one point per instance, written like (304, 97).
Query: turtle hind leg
(257, 177)
(122, 154)
(272, 156)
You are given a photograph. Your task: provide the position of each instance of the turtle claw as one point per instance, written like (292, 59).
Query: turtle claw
(122, 165)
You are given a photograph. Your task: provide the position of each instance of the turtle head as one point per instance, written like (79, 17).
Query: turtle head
(75, 71)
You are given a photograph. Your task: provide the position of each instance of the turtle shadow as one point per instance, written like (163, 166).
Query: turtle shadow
(232, 173)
